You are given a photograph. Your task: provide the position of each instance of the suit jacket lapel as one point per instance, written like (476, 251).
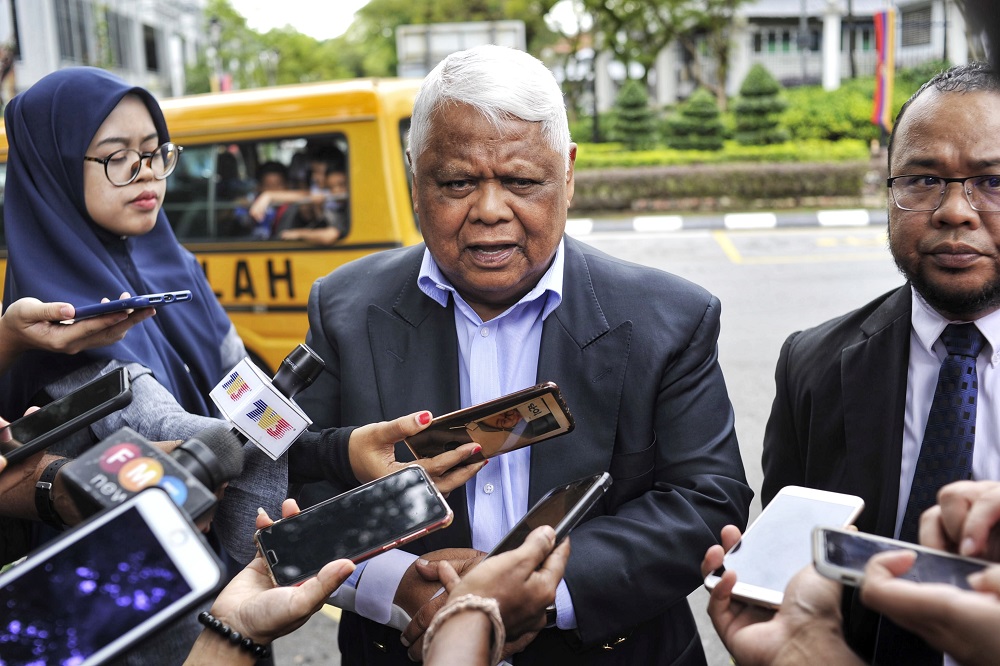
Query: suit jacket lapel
(874, 378)
(410, 347)
(587, 359)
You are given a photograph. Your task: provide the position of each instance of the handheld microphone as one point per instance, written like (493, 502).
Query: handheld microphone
(126, 462)
(261, 408)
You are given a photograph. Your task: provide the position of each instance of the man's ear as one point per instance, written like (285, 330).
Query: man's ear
(570, 171)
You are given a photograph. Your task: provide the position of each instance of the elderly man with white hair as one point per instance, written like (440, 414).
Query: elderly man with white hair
(498, 298)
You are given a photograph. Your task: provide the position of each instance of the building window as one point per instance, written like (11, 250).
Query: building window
(120, 39)
(72, 26)
(151, 42)
(916, 27)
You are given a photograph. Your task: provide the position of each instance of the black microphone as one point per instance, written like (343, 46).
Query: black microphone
(297, 371)
(126, 462)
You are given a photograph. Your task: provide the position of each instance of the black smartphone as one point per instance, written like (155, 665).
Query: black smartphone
(843, 554)
(91, 402)
(356, 525)
(777, 545)
(499, 426)
(133, 303)
(562, 508)
(105, 584)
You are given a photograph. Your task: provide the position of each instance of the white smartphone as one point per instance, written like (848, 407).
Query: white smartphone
(104, 585)
(778, 544)
(843, 554)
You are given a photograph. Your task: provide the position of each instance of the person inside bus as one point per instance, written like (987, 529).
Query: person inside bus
(260, 215)
(89, 155)
(324, 221)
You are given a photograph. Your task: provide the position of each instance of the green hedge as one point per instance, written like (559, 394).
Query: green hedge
(609, 155)
(723, 187)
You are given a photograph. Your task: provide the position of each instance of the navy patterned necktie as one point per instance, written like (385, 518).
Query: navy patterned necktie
(946, 452)
(945, 456)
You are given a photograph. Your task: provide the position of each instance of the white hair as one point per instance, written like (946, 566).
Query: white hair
(503, 84)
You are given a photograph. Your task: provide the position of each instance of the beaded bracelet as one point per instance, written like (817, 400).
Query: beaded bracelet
(234, 637)
(471, 602)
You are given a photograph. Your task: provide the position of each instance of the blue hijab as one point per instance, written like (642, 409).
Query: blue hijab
(57, 253)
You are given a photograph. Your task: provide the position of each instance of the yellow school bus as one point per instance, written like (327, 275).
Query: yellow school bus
(262, 280)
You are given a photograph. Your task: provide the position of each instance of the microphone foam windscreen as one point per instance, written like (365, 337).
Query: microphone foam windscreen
(228, 450)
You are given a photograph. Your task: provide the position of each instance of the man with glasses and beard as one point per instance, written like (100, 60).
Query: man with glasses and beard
(896, 399)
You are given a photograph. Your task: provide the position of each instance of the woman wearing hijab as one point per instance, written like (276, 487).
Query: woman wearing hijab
(88, 159)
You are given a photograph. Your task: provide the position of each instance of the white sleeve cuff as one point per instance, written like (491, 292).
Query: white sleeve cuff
(565, 613)
(377, 587)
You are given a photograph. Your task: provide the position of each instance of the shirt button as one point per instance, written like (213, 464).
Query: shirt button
(485, 332)
(488, 489)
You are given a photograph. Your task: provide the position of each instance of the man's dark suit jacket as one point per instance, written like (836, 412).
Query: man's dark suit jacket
(634, 351)
(837, 419)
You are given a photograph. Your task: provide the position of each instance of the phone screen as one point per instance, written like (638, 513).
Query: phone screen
(67, 607)
(354, 525)
(561, 508)
(505, 424)
(853, 550)
(779, 543)
(72, 412)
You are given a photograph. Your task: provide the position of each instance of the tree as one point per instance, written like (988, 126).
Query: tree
(635, 125)
(696, 126)
(636, 31)
(711, 27)
(758, 109)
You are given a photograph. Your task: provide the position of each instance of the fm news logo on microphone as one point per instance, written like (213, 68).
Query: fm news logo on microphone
(126, 467)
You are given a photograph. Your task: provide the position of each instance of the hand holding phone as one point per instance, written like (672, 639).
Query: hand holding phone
(76, 410)
(778, 543)
(102, 586)
(132, 303)
(561, 508)
(505, 424)
(842, 556)
(355, 525)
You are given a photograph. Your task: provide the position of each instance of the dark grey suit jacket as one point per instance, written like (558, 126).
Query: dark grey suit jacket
(634, 351)
(837, 418)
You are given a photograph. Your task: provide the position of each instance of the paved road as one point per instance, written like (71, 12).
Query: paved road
(771, 281)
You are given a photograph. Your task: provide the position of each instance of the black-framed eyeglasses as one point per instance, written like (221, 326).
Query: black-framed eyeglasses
(921, 192)
(122, 166)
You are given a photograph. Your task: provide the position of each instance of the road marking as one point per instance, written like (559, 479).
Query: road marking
(722, 238)
(858, 217)
(655, 223)
(580, 226)
(750, 220)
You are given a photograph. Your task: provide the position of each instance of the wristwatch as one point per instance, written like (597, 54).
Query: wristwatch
(550, 616)
(43, 495)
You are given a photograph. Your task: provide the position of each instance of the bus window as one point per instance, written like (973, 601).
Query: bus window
(278, 189)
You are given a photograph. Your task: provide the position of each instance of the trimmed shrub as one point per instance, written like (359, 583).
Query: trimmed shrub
(696, 125)
(758, 109)
(636, 125)
(722, 187)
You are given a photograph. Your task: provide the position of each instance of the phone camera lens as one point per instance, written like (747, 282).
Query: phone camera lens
(168, 297)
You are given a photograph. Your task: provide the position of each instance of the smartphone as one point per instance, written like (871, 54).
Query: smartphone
(60, 418)
(356, 525)
(843, 554)
(561, 508)
(104, 585)
(778, 544)
(499, 426)
(133, 303)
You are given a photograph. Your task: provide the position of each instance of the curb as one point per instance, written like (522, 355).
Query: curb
(852, 217)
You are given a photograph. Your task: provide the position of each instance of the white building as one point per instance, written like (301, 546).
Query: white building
(146, 42)
(771, 32)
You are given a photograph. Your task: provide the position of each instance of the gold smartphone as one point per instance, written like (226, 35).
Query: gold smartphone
(505, 424)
